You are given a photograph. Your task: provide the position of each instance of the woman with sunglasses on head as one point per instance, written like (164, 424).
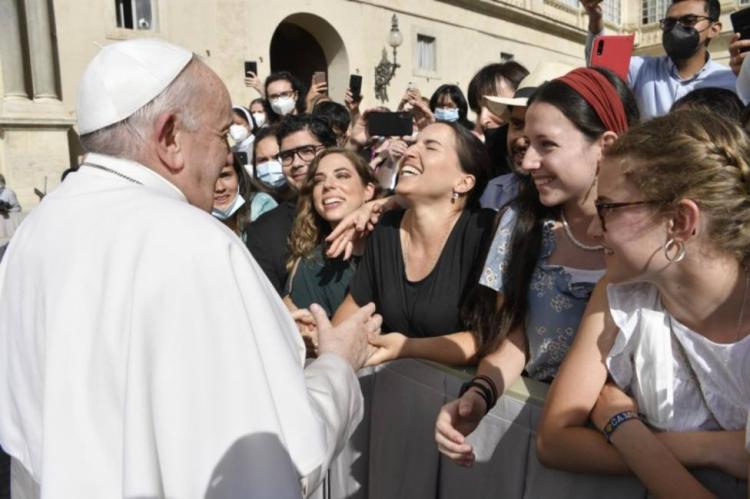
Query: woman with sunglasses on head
(670, 326)
(419, 264)
(542, 265)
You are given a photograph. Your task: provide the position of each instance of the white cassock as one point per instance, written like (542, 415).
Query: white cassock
(143, 353)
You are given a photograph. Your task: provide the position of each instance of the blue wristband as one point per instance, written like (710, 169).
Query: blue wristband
(616, 421)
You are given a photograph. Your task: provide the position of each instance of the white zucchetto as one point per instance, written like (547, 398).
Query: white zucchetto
(123, 77)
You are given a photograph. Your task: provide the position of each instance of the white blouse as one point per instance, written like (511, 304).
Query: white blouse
(659, 368)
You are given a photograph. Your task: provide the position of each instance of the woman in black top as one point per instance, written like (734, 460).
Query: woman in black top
(420, 263)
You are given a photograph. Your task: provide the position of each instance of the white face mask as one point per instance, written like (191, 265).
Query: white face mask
(231, 209)
(271, 173)
(260, 119)
(283, 105)
(238, 133)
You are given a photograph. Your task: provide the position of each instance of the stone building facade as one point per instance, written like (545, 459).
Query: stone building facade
(46, 44)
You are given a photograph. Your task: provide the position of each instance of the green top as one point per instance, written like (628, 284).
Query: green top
(320, 280)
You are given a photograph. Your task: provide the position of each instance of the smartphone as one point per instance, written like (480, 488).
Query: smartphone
(613, 52)
(241, 157)
(383, 124)
(741, 24)
(251, 67)
(319, 77)
(355, 85)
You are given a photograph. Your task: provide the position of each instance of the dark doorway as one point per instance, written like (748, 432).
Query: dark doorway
(295, 50)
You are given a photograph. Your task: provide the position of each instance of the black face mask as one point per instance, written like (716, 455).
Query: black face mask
(680, 43)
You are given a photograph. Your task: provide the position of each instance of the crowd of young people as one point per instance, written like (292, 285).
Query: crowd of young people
(586, 231)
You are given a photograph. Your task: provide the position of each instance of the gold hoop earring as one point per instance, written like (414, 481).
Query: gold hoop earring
(669, 245)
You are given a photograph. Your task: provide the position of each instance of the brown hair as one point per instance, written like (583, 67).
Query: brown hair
(696, 155)
(310, 229)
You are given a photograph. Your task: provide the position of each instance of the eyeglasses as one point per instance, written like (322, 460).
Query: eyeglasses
(687, 21)
(603, 208)
(304, 153)
(281, 95)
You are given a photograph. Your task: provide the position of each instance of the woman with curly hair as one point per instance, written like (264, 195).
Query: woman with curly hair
(338, 182)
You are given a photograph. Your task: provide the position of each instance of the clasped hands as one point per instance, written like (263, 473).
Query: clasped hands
(381, 347)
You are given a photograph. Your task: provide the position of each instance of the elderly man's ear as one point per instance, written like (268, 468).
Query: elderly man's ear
(169, 142)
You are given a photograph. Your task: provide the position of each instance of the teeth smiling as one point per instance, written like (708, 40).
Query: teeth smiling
(330, 201)
(409, 170)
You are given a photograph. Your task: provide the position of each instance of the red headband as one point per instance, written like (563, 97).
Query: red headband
(601, 94)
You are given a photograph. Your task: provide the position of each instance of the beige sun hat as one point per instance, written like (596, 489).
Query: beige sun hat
(544, 72)
(123, 77)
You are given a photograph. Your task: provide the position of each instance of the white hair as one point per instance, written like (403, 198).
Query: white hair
(126, 138)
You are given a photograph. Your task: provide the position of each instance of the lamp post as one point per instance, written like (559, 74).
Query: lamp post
(385, 70)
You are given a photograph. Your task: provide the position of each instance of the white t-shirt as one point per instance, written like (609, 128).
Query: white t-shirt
(658, 365)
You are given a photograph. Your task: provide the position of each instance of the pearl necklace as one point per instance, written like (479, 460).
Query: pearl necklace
(576, 242)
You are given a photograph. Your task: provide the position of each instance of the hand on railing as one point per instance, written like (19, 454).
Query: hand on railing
(456, 420)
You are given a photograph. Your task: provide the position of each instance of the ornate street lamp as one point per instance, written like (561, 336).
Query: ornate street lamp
(385, 70)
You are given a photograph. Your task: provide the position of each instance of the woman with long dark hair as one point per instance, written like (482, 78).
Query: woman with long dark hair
(542, 265)
(420, 263)
(449, 104)
(239, 199)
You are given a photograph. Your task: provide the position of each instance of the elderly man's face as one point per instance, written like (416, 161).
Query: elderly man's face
(206, 150)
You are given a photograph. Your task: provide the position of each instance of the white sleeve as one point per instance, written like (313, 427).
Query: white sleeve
(336, 398)
(217, 400)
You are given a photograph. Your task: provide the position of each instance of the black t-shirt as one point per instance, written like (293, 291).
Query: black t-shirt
(267, 240)
(430, 307)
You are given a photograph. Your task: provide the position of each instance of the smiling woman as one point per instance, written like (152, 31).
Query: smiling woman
(338, 182)
(420, 263)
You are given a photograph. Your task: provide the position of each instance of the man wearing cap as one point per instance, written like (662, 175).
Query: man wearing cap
(143, 352)
(503, 189)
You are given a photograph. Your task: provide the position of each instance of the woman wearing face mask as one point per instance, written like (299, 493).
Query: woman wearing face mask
(241, 132)
(671, 327)
(420, 263)
(338, 182)
(449, 104)
(259, 112)
(283, 92)
(237, 200)
(542, 265)
(267, 167)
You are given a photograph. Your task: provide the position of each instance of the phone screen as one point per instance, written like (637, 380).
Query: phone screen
(355, 84)
(251, 67)
(389, 124)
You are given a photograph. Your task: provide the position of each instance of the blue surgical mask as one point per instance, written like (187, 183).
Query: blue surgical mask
(231, 210)
(270, 173)
(449, 114)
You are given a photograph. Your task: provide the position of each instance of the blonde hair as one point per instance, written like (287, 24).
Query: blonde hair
(697, 155)
(310, 229)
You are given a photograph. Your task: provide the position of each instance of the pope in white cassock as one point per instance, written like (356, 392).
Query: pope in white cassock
(142, 351)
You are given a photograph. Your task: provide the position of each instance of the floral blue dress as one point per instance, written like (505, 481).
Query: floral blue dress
(556, 301)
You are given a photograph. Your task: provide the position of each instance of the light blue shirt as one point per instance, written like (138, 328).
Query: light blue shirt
(657, 85)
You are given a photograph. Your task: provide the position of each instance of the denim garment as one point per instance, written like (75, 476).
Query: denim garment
(556, 304)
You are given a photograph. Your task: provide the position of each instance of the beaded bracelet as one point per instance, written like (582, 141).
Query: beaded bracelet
(486, 393)
(616, 420)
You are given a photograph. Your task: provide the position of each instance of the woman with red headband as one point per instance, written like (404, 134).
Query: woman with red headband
(542, 265)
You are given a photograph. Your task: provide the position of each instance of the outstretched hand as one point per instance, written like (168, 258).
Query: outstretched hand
(348, 339)
(353, 228)
(457, 419)
(387, 347)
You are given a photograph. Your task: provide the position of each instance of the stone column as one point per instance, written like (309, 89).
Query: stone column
(11, 50)
(41, 51)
